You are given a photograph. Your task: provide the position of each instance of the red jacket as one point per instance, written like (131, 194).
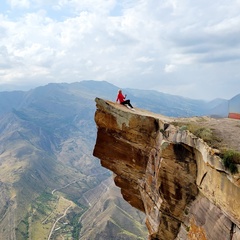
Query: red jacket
(120, 98)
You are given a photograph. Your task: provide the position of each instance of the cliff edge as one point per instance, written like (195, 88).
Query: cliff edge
(176, 178)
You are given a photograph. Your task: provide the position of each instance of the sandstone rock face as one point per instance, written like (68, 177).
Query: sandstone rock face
(170, 174)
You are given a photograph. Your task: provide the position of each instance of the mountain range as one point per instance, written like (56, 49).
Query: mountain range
(51, 185)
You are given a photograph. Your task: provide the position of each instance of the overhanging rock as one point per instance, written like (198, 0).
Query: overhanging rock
(168, 173)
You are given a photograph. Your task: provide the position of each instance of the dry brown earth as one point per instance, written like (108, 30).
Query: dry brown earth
(226, 130)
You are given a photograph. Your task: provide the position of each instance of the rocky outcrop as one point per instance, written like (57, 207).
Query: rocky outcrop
(168, 173)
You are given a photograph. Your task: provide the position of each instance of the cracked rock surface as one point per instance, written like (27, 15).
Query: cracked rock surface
(168, 173)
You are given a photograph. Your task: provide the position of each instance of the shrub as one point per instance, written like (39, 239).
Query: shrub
(201, 132)
(230, 158)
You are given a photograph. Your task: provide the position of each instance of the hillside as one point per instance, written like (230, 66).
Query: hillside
(46, 142)
(110, 217)
(48, 176)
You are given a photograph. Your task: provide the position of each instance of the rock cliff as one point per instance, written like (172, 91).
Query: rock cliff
(168, 173)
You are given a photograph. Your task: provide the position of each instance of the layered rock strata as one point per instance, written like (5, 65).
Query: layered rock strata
(168, 173)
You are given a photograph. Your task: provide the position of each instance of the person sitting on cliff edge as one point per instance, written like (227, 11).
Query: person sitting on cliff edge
(121, 98)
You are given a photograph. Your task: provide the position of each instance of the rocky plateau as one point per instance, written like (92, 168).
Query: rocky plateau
(173, 176)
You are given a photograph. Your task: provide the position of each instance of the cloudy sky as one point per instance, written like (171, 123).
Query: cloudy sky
(188, 48)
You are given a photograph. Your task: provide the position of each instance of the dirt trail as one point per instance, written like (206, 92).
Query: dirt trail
(62, 216)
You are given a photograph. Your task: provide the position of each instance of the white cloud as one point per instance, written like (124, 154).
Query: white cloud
(169, 68)
(102, 7)
(19, 3)
(145, 59)
(129, 43)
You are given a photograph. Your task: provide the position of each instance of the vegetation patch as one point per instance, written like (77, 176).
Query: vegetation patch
(76, 226)
(230, 159)
(22, 230)
(201, 132)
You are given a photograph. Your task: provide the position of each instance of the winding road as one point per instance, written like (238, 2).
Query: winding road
(64, 214)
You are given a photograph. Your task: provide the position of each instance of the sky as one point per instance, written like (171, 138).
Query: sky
(186, 48)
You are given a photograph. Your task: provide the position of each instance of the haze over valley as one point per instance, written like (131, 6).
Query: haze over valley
(50, 183)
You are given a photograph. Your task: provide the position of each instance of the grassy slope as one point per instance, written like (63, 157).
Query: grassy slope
(109, 217)
(46, 144)
(46, 141)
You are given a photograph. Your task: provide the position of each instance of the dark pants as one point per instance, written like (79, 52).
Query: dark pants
(127, 102)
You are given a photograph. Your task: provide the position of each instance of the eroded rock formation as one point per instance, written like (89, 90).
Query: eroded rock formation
(168, 173)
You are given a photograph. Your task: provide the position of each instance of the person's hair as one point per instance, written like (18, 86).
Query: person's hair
(119, 90)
